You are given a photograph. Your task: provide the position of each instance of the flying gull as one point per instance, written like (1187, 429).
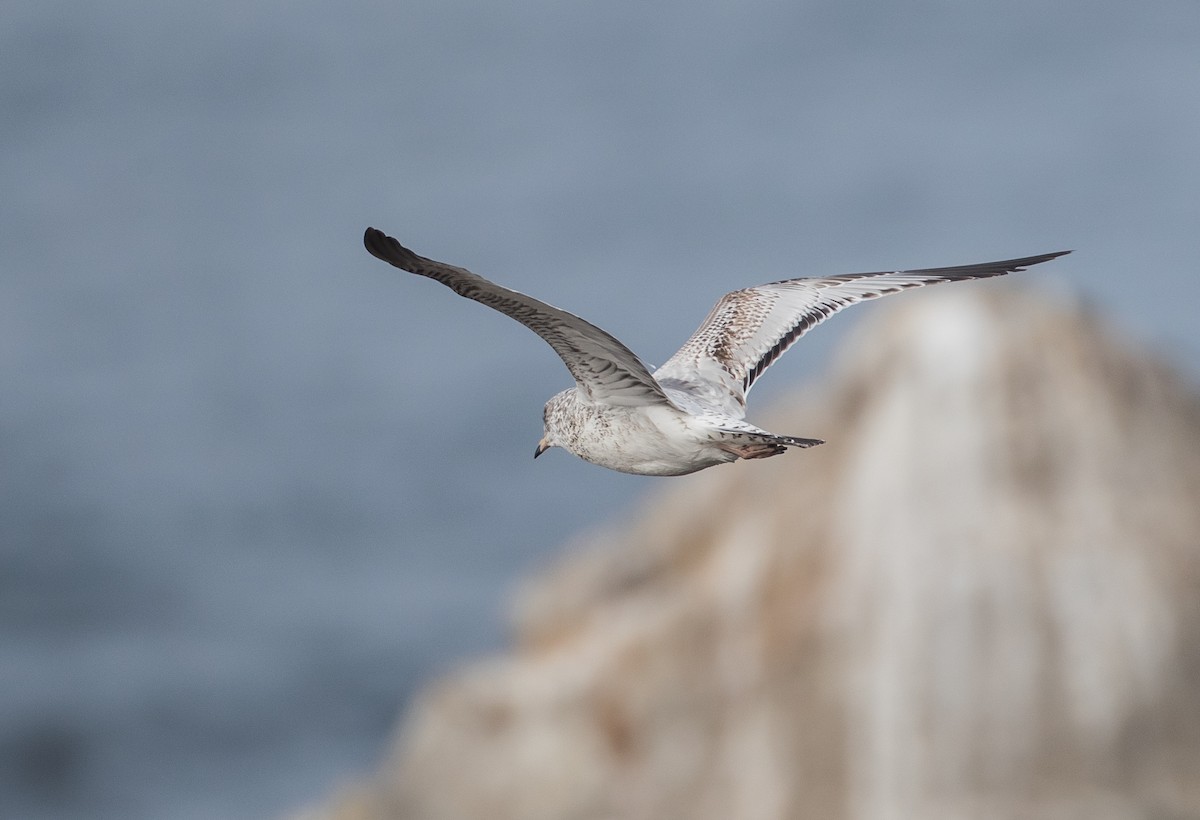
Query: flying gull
(690, 413)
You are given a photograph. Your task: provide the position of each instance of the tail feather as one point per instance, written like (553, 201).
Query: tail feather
(762, 445)
(792, 441)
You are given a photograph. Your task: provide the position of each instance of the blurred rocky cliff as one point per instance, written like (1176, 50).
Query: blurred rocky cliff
(980, 599)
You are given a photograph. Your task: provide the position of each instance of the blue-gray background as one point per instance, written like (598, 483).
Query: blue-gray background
(257, 485)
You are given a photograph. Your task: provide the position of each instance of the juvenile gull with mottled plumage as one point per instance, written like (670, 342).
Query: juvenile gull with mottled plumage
(690, 413)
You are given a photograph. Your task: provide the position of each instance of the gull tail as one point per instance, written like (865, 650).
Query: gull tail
(761, 445)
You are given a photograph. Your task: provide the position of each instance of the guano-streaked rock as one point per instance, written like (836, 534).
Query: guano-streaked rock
(981, 599)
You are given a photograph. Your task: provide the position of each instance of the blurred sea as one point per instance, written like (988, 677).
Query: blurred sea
(257, 486)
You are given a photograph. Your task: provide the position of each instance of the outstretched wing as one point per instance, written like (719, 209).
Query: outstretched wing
(604, 369)
(749, 329)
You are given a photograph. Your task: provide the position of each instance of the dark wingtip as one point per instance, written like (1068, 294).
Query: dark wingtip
(384, 247)
(992, 268)
(1055, 254)
(375, 241)
(1029, 261)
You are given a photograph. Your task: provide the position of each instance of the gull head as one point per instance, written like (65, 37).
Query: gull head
(554, 419)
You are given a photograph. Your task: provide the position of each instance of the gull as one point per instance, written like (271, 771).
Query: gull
(689, 413)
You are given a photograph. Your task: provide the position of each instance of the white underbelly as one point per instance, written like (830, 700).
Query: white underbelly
(655, 440)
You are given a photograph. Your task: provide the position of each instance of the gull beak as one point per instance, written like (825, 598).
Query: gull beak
(542, 447)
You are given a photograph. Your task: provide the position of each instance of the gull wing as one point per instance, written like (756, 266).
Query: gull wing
(605, 370)
(749, 329)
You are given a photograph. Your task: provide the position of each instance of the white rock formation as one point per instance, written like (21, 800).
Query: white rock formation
(981, 599)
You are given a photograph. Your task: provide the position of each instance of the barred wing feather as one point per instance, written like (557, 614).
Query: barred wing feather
(750, 329)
